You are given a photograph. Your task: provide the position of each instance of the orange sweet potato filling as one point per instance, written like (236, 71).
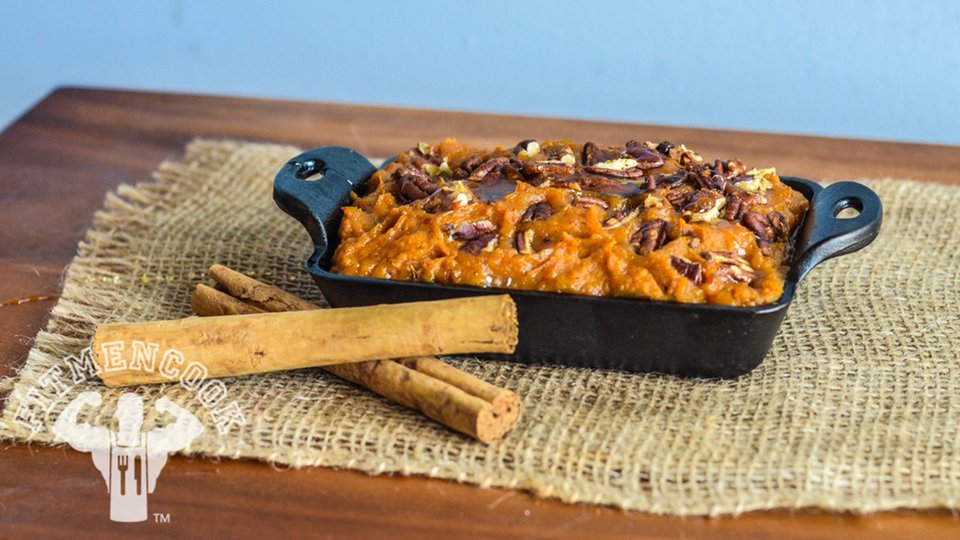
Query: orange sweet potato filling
(644, 220)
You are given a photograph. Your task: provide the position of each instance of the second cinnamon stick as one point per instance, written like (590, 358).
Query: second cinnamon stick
(440, 391)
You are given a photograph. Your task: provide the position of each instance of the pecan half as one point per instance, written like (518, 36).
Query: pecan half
(620, 168)
(523, 241)
(411, 192)
(646, 158)
(671, 181)
(745, 199)
(452, 195)
(760, 225)
(540, 210)
(597, 181)
(734, 274)
(595, 153)
(482, 243)
(679, 199)
(487, 167)
(409, 169)
(779, 224)
(687, 269)
(472, 231)
(735, 207)
(510, 172)
(584, 201)
(733, 268)
(414, 183)
(419, 161)
(535, 168)
(471, 163)
(478, 236)
(649, 237)
(711, 180)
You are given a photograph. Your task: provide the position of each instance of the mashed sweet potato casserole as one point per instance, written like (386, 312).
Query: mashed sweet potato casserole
(643, 220)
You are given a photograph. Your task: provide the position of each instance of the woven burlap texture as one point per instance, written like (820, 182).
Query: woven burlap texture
(857, 407)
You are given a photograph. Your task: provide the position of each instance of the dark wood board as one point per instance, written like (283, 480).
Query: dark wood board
(60, 158)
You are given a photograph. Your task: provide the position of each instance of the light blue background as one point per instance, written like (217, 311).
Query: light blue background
(887, 70)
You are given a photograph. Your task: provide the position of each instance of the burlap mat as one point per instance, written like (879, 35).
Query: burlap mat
(857, 407)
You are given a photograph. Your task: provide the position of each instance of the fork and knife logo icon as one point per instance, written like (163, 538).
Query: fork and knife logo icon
(123, 463)
(129, 460)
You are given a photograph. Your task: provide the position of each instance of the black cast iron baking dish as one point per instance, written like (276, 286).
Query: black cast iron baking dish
(692, 340)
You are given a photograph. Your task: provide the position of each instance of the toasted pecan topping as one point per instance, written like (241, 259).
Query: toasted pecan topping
(760, 225)
(631, 220)
(649, 237)
(687, 269)
(489, 166)
(523, 241)
(732, 267)
(540, 210)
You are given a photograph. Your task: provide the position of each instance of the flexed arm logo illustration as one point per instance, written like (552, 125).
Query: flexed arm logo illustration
(128, 460)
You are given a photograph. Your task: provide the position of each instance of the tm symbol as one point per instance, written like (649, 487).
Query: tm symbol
(161, 517)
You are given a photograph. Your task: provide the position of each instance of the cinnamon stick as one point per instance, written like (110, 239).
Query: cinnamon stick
(256, 293)
(440, 391)
(504, 402)
(225, 346)
(214, 302)
(436, 399)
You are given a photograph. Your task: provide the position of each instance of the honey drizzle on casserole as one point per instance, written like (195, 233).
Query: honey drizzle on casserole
(643, 220)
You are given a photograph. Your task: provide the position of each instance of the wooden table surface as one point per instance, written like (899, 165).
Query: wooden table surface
(60, 158)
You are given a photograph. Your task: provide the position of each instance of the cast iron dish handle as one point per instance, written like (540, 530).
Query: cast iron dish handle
(825, 236)
(316, 203)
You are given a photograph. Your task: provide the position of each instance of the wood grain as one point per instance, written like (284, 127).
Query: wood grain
(59, 159)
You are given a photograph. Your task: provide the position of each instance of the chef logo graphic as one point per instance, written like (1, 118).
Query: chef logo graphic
(128, 460)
